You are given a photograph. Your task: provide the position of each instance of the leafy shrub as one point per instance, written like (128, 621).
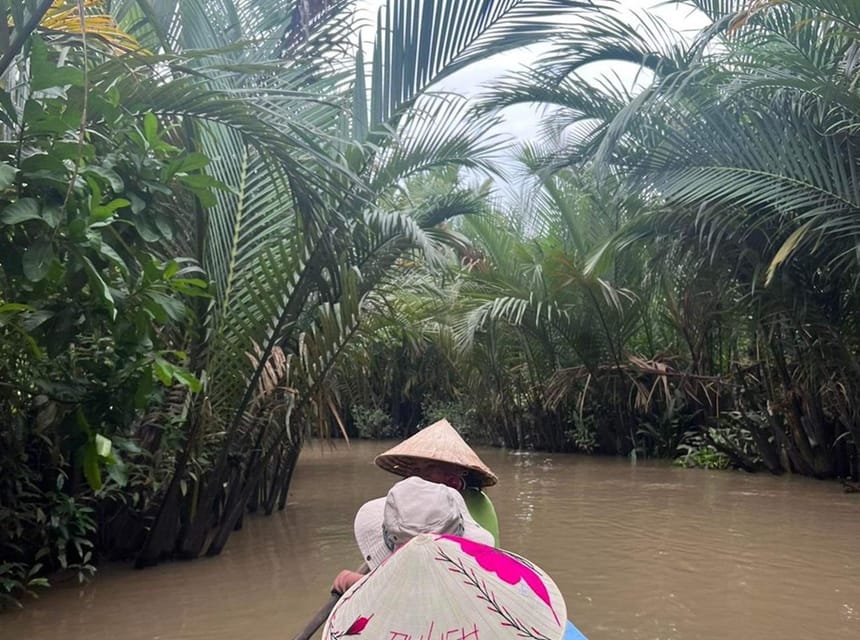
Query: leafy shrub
(715, 446)
(373, 424)
(89, 307)
(41, 530)
(461, 416)
(583, 437)
(702, 456)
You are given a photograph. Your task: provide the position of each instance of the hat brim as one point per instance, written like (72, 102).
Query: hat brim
(368, 532)
(408, 465)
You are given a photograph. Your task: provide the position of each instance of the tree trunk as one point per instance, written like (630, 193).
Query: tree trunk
(292, 460)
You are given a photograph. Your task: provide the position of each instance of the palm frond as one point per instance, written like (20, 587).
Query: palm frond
(437, 133)
(419, 42)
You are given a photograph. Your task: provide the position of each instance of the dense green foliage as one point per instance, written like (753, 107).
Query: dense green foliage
(681, 281)
(89, 304)
(202, 205)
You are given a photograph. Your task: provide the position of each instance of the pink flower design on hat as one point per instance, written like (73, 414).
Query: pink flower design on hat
(354, 629)
(358, 626)
(505, 567)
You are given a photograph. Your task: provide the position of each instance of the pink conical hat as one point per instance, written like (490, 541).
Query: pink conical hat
(439, 442)
(449, 587)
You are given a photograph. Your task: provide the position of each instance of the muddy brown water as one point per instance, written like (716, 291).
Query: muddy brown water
(644, 551)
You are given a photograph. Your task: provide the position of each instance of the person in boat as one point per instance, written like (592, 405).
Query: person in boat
(439, 454)
(413, 506)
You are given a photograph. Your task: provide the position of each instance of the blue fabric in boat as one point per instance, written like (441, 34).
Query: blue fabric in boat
(572, 633)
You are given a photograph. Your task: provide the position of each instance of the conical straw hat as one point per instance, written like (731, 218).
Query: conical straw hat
(448, 587)
(439, 442)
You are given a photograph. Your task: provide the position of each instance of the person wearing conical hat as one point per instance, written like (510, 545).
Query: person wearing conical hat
(439, 454)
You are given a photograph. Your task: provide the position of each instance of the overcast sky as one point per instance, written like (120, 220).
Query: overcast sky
(522, 122)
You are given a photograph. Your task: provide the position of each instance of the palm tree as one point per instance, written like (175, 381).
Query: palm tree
(311, 222)
(741, 145)
(571, 325)
(295, 211)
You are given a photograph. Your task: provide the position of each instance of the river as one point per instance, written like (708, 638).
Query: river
(641, 552)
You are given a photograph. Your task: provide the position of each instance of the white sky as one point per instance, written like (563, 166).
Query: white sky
(522, 122)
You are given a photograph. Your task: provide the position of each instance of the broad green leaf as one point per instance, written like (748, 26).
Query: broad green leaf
(171, 269)
(47, 415)
(21, 211)
(44, 164)
(10, 310)
(14, 307)
(162, 223)
(37, 259)
(78, 228)
(200, 181)
(188, 379)
(190, 286)
(7, 176)
(29, 209)
(118, 472)
(191, 162)
(73, 151)
(201, 185)
(144, 389)
(52, 215)
(32, 345)
(8, 113)
(102, 212)
(101, 288)
(82, 422)
(95, 193)
(45, 74)
(103, 445)
(36, 319)
(50, 117)
(163, 371)
(146, 228)
(137, 203)
(90, 465)
(110, 253)
(109, 175)
(150, 129)
(172, 307)
(205, 197)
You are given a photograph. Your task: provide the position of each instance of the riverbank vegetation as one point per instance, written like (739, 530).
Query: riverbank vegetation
(680, 278)
(224, 227)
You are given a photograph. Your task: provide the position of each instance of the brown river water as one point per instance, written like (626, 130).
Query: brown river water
(644, 551)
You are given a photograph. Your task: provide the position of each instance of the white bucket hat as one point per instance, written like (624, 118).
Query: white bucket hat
(413, 506)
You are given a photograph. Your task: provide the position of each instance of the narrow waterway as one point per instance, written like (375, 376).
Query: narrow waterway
(642, 551)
